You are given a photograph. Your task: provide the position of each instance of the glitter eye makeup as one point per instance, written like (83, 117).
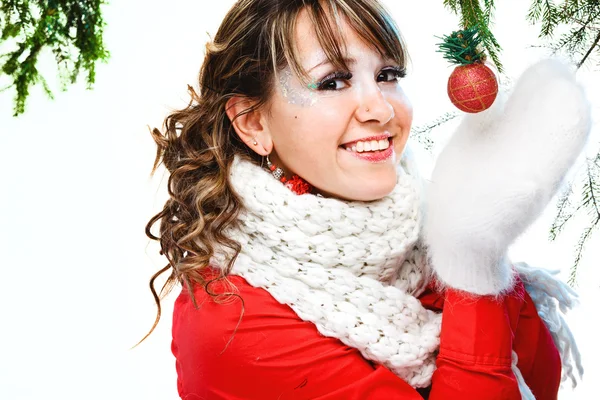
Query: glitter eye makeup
(334, 82)
(301, 96)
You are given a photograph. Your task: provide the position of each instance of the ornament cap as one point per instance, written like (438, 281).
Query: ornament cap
(463, 47)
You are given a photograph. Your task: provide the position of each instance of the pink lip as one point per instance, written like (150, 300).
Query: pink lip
(378, 137)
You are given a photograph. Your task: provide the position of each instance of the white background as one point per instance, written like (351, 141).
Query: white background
(75, 195)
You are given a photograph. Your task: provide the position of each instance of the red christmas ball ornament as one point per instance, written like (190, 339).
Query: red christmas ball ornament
(472, 88)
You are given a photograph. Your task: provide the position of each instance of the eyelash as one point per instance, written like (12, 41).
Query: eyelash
(399, 72)
(345, 75)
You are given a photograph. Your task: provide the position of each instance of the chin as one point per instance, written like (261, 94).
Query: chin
(377, 193)
(372, 190)
(369, 186)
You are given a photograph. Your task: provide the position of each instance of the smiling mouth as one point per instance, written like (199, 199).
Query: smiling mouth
(368, 145)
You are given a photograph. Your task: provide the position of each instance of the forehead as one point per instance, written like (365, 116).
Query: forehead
(308, 46)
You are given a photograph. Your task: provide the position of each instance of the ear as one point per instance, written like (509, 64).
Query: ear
(249, 126)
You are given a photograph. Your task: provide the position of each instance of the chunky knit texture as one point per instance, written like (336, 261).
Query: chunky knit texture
(351, 268)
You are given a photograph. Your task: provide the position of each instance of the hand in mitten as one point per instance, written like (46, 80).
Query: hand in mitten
(498, 172)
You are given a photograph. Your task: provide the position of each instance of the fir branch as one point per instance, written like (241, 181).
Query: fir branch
(535, 11)
(489, 9)
(590, 201)
(585, 236)
(573, 40)
(473, 16)
(584, 15)
(590, 187)
(71, 29)
(595, 44)
(453, 5)
(550, 18)
(564, 213)
(547, 12)
(422, 133)
(596, 160)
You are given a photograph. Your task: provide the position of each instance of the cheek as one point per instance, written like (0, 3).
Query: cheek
(409, 111)
(307, 141)
(323, 123)
(402, 109)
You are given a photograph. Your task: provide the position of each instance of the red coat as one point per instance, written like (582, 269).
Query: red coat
(270, 353)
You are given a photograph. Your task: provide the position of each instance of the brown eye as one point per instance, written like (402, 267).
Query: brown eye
(330, 85)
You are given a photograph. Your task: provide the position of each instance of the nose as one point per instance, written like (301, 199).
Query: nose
(374, 106)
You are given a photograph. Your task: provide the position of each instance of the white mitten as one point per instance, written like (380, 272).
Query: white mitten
(497, 174)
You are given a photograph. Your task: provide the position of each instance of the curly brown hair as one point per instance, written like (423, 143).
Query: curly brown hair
(253, 43)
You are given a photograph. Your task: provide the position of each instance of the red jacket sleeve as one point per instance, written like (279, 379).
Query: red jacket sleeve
(476, 348)
(476, 343)
(539, 360)
(269, 353)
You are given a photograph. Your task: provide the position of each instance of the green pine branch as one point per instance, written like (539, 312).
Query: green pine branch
(422, 133)
(565, 213)
(583, 18)
(589, 204)
(580, 42)
(546, 12)
(583, 15)
(472, 15)
(583, 239)
(71, 29)
(595, 45)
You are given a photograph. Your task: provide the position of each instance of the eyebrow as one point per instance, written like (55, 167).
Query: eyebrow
(326, 61)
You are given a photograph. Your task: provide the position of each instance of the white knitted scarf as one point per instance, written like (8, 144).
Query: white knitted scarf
(354, 269)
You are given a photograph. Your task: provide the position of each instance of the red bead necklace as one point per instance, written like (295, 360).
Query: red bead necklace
(295, 184)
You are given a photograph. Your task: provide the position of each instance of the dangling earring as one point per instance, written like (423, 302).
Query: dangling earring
(276, 171)
(296, 184)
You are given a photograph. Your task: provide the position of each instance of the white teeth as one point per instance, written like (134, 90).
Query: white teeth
(371, 145)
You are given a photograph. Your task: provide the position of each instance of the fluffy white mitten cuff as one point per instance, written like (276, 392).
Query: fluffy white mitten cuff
(498, 172)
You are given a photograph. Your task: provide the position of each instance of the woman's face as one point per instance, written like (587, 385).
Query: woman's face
(345, 131)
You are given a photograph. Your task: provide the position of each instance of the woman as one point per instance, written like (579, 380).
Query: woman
(293, 227)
